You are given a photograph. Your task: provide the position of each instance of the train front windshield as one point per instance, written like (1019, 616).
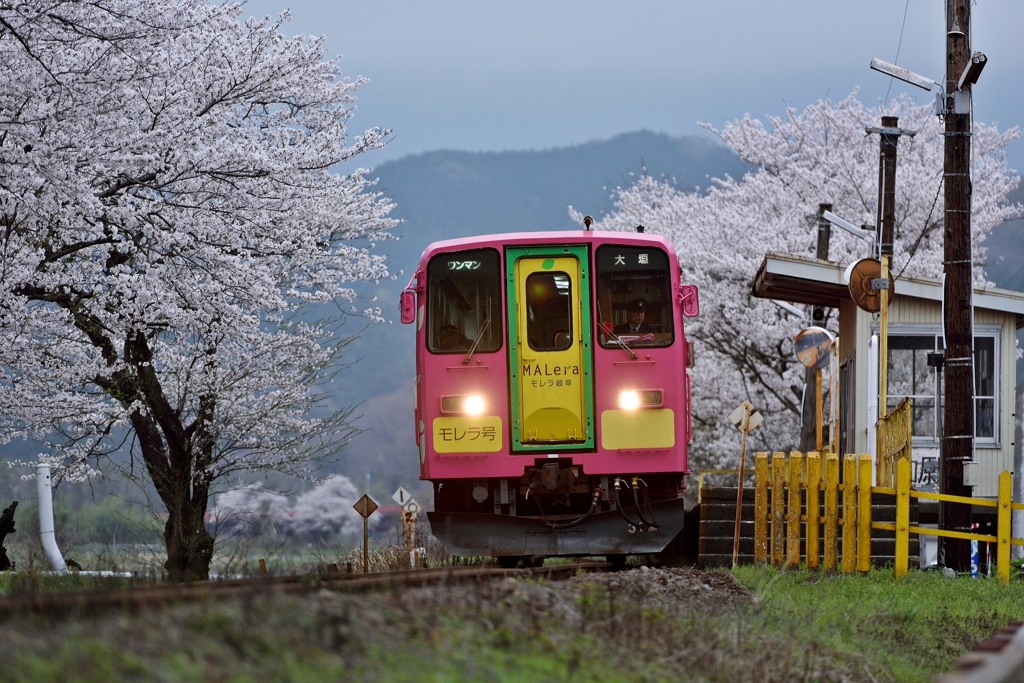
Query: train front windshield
(464, 305)
(634, 296)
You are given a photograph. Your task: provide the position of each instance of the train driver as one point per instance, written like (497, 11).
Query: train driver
(636, 312)
(450, 339)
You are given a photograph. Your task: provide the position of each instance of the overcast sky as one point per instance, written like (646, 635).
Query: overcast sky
(481, 75)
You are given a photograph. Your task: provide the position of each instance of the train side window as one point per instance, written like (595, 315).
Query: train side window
(632, 279)
(464, 302)
(549, 311)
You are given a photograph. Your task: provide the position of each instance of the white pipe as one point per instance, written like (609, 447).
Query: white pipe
(873, 389)
(1017, 516)
(46, 533)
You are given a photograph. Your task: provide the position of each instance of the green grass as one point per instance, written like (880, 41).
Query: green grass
(790, 626)
(910, 629)
(29, 583)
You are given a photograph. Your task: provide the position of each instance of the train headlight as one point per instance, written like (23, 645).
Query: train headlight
(466, 404)
(629, 400)
(474, 405)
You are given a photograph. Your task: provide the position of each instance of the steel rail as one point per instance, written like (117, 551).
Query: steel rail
(99, 600)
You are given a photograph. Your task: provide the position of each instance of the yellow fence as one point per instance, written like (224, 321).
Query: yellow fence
(894, 436)
(785, 489)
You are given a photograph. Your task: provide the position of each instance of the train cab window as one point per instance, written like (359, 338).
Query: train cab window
(549, 311)
(634, 296)
(464, 302)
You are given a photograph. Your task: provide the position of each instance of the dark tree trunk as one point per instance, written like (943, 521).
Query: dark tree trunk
(178, 458)
(6, 527)
(189, 544)
(177, 445)
(178, 474)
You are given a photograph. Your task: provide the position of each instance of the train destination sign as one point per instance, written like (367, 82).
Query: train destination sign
(632, 259)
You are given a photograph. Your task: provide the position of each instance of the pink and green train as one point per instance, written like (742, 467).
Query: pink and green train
(552, 392)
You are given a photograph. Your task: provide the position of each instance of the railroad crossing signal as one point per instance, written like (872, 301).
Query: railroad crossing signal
(752, 419)
(365, 506)
(746, 418)
(405, 499)
(401, 496)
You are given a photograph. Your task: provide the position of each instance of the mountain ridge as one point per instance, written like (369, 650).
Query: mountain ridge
(445, 194)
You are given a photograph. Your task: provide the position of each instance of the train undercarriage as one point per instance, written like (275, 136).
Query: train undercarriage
(557, 509)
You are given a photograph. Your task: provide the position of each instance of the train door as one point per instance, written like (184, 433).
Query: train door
(549, 346)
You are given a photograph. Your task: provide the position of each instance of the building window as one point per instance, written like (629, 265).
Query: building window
(914, 371)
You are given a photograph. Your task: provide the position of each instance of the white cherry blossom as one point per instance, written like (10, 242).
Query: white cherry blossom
(169, 201)
(819, 155)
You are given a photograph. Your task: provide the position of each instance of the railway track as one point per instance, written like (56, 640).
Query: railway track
(1000, 659)
(101, 600)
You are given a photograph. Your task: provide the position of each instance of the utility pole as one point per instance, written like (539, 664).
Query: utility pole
(889, 134)
(958, 414)
(824, 232)
(811, 419)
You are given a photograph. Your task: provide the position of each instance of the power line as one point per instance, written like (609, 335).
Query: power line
(899, 46)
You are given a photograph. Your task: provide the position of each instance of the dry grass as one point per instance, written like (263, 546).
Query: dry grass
(643, 624)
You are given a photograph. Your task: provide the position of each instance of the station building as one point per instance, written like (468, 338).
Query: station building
(915, 344)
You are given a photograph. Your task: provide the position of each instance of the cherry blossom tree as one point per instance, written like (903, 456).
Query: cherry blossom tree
(324, 511)
(167, 210)
(251, 511)
(327, 510)
(799, 160)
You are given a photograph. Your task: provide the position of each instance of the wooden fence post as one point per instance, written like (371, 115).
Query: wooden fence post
(796, 467)
(831, 511)
(761, 507)
(813, 500)
(1003, 526)
(778, 508)
(864, 512)
(902, 550)
(849, 513)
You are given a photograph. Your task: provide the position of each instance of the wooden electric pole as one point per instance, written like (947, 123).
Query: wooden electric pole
(810, 432)
(824, 232)
(958, 414)
(889, 134)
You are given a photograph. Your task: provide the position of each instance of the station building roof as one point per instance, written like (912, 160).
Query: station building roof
(807, 280)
